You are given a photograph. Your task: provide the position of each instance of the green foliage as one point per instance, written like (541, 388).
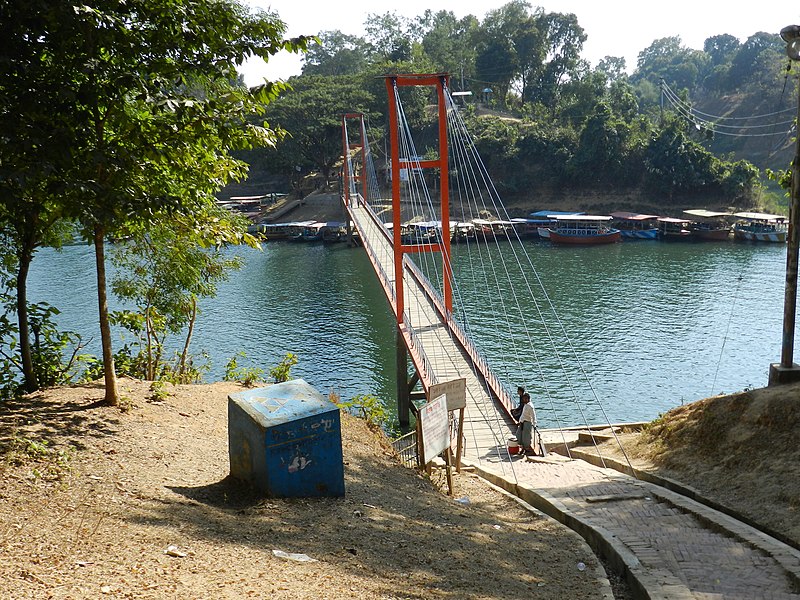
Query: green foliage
(313, 113)
(163, 270)
(281, 371)
(126, 113)
(158, 391)
(45, 461)
(54, 353)
(575, 126)
(369, 407)
(248, 376)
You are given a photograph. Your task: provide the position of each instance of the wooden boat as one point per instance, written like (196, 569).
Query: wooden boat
(674, 229)
(333, 232)
(760, 227)
(635, 226)
(526, 228)
(490, 229)
(313, 232)
(711, 226)
(421, 232)
(284, 231)
(462, 233)
(545, 219)
(583, 229)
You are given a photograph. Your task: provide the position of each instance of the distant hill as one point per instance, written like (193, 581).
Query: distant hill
(765, 146)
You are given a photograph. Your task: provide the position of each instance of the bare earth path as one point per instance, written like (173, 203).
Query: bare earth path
(91, 497)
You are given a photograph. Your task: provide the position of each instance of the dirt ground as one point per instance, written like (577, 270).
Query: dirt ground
(99, 502)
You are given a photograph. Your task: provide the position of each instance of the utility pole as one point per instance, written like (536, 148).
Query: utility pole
(787, 370)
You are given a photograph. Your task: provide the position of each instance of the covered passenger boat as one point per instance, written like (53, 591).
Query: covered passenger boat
(583, 229)
(635, 226)
(709, 226)
(760, 227)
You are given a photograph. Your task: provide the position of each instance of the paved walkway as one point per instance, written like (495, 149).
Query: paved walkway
(671, 547)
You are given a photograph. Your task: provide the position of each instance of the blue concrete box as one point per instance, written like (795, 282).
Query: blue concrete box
(286, 439)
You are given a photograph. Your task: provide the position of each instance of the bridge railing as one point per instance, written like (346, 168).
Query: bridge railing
(500, 390)
(428, 374)
(416, 348)
(388, 286)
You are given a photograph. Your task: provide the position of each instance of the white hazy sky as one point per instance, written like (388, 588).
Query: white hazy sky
(614, 27)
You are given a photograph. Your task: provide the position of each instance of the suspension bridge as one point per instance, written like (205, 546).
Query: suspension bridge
(668, 545)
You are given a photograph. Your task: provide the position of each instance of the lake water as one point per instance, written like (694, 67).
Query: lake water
(651, 325)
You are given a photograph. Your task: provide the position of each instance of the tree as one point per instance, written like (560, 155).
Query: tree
(603, 147)
(758, 61)
(312, 114)
(721, 48)
(669, 59)
(563, 38)
(390, 36)
(336, 53)
(34, 147)
(498, 61)
(149, 109)
(450, 44)
(613, 67)
(163, 270)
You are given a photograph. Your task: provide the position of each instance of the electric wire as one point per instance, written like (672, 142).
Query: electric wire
(503, 281)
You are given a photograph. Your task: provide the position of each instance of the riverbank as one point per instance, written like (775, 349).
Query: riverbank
(136, 503)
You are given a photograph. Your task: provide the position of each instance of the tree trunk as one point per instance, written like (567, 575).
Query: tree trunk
(185, 352)
(28, 372)
(112, 393)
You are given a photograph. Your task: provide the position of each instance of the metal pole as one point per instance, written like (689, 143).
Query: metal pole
(790, 298)
(403, 388)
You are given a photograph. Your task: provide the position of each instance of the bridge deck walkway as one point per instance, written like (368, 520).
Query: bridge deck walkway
(486, 427)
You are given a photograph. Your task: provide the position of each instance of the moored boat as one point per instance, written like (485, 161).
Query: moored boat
(463, 232)
(760, 227)
(583, 229)
(420, 232)
(543, 220)
(284, 231)
(674, 229)
(490, 229)
(711, 226)
(313, 232)
(635, 226)
(526, 228)
(333, 232)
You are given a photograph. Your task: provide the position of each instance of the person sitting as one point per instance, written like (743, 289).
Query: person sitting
(516, 412)
(527, 421)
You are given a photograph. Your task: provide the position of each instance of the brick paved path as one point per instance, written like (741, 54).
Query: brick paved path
(672, 547)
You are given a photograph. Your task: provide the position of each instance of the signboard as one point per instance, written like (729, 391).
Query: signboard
(435, 428)
(455, 390)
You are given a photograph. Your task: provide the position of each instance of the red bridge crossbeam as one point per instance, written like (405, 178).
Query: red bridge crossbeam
(420, 360)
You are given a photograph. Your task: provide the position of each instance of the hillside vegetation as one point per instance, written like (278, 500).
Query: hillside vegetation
(545, 121)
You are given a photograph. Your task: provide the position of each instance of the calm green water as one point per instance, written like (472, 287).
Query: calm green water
(650, 324)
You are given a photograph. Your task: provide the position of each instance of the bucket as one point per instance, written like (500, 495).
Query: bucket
(513, 446)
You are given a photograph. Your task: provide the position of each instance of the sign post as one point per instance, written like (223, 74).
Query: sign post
(456, 392)
(434, 423)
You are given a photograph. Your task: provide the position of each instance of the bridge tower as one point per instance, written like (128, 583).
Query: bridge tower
(393, 83)
(355, 187)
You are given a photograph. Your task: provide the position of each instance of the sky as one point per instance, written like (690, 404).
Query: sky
(614, 27)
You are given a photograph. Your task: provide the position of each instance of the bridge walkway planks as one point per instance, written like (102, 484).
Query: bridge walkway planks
(486, 427)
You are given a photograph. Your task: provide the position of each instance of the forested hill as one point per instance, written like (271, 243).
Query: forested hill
(759, 140)
(686, 123)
